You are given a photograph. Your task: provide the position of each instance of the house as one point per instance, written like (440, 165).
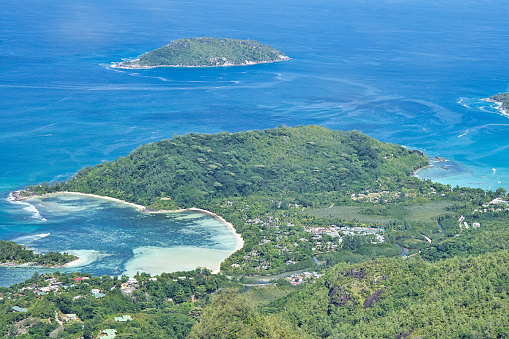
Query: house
(95, 291)
(18, 309)
(99, 295)
(70, 316)
(123, 318)
(109, 333)
(132, 281)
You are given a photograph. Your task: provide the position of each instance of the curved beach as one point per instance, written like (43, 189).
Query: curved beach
(240, 241)
(153, 259)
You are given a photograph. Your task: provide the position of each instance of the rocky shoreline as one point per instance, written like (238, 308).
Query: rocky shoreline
(500, 106)
(439, 159)
(34, 264)
(133, 64)
(24, 195)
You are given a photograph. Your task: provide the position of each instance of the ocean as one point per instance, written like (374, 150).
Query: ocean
(407, 72)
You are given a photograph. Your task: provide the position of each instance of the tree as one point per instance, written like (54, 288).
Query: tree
(501, 191)
(88, 330)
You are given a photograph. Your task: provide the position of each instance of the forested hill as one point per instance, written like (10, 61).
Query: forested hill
(207, 52)
(192, 169)
(383, 298)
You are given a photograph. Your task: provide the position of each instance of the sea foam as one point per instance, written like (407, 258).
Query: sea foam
(27, 239)
(35, 214)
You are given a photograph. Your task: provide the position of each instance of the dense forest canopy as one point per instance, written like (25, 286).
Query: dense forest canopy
(388, 298)
(207, 52)
(193, 169)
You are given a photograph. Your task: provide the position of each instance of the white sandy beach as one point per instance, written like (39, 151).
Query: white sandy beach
(85, 257)
(156, 260)
(140, 207)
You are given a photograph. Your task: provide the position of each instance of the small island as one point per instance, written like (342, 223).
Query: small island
(503, 100)
(12, 254)
(206, 52)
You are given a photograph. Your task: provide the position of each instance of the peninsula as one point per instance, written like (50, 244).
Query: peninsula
(12, 254)
(206, 52)
(503, 100)
(256, 181)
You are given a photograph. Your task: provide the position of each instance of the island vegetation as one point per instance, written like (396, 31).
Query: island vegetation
(352, 244)
(502, 99)
(207, 52)
(12, 254)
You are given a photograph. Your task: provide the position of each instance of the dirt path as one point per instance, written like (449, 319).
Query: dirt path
(59, 329)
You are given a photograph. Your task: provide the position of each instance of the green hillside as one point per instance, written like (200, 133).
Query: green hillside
(207, 52)
(277, 187)
(384, 298)
(193, 169)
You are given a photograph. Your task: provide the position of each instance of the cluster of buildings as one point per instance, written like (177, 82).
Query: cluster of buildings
(53, 285)
(375, 196)
(301, 278)
(130, 286)
(336, 231)
(464, 225)
(499, 202)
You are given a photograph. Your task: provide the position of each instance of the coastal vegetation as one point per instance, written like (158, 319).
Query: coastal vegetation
(307, 165)
(503, 99)
(79, 305)
(259, 181)
(397, 256)
(14, 254)
(207, 52)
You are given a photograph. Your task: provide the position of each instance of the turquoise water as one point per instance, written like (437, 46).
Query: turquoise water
(115, 238)
(409, 72)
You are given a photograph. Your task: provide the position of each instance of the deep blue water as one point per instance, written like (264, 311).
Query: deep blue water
(409, 72)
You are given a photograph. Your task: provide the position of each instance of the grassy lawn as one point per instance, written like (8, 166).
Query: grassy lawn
(383, 213)
(420, 217)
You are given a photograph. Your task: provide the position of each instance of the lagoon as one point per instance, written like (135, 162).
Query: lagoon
(115, 238)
